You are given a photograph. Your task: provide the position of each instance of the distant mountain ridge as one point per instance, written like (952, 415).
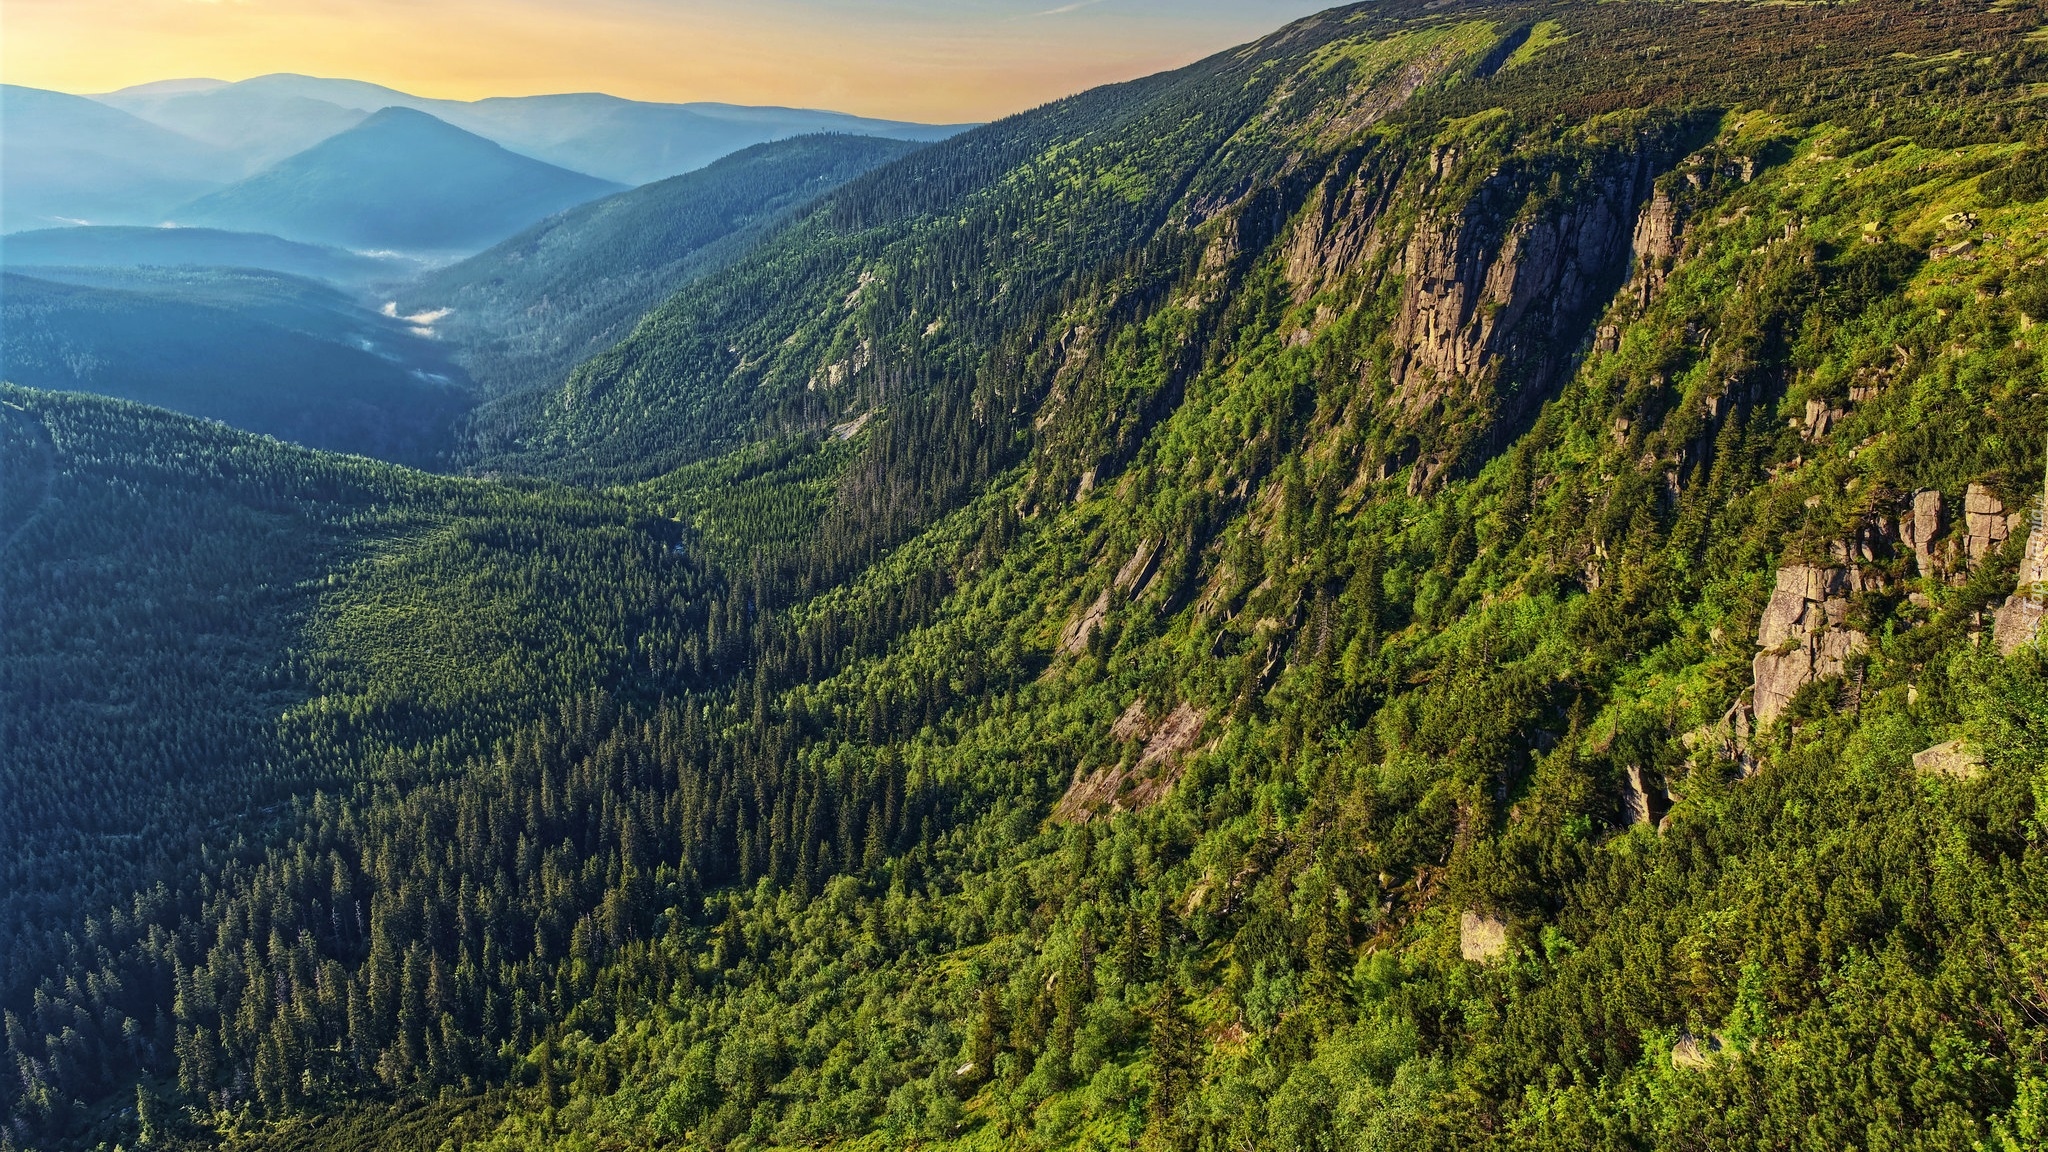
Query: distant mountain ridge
(400, 180)
(129, 157)
(626, 141)
(265, 352)
(66, 159)
(133, 247)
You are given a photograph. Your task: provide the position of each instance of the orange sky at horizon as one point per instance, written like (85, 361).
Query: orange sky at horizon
(938, 61)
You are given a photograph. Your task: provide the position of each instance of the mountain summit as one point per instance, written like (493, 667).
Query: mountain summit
(401, 179)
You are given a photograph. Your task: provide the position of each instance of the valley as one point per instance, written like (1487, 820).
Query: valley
(1452, 577)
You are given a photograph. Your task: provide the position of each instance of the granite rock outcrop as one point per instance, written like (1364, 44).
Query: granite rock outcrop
(1804, 634)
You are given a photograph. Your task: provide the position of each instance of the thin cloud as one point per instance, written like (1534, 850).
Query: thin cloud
(1064, 9)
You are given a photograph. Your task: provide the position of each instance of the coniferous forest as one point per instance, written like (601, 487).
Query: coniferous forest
(1462, 576)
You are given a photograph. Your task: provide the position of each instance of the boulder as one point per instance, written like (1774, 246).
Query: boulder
(1482, 937)
(1955, 759)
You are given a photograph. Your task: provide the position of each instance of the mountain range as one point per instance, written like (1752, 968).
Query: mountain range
(270, 353)
(1462, 576)
(70, 160)
(112, 246)
(139, 155)
(625, 141)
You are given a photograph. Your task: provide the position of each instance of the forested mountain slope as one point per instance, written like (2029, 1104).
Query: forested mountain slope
(1445, 579)
(531, 308)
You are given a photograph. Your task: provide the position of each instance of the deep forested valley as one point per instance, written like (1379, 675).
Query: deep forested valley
(1461, 576)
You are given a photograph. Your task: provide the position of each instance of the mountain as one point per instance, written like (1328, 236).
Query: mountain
(70, 160)
(260, 351)
(109, 247)
(626, 141)
(531, 308)
(1456, 577)
(400, 180)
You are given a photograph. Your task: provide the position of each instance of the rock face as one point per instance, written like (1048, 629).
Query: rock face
(1495, 302)
(1919, 528)
(1802, 634)
(1134, 577)
(1482, 937)
(1119, 787)
(1466, 305)
(1697, 1053)
(1074, 637)
(1635, 797)
(1820, 420)
(2019, 620)
(1728, 738)
(1656, 244)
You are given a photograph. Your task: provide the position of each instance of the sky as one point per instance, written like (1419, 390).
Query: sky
(940, 61)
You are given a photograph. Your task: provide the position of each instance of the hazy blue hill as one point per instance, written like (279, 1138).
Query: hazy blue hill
(532, 307)
(629, 141)
(259, 127)
(264, 352)
(67, 159)
(114, 246)
(635, 142)
(399, 180)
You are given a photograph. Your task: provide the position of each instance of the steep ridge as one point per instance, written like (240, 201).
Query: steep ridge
(1426, 583)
